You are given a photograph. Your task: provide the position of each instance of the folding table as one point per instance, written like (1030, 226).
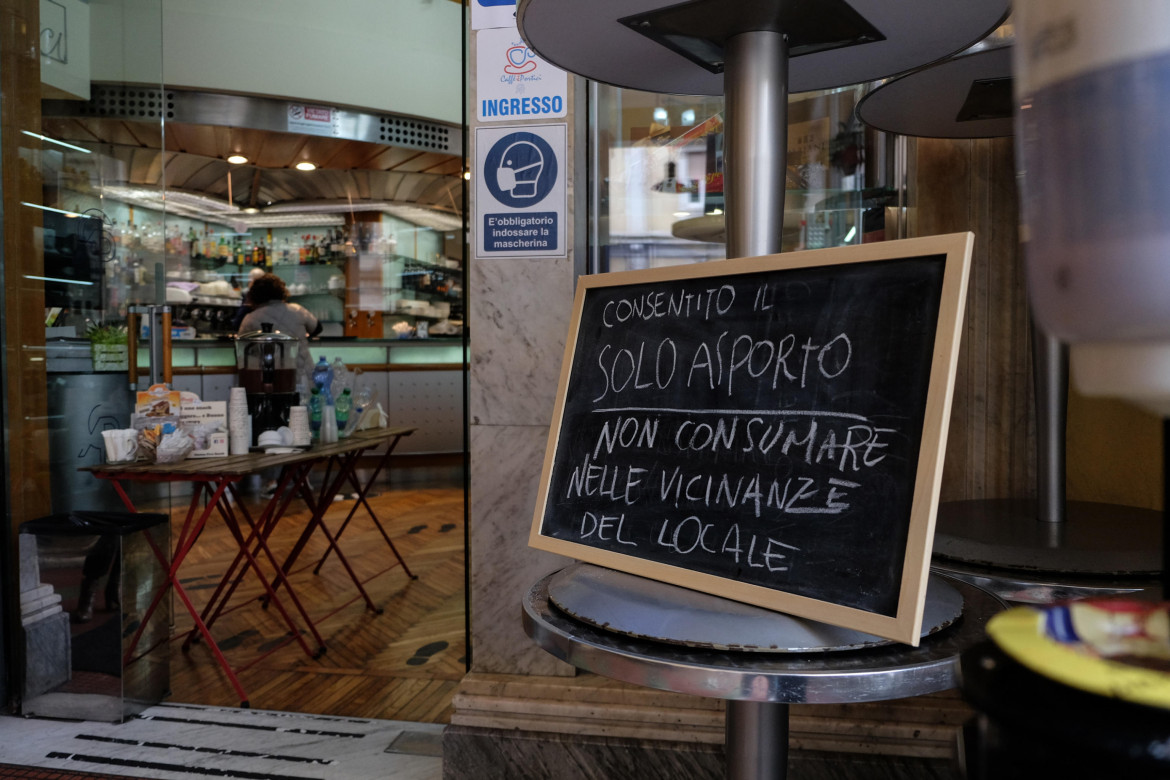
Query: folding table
(216, 480)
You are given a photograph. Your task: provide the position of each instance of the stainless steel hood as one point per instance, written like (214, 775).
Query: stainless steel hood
(182, 139)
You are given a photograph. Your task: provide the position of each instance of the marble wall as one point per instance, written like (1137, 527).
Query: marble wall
(518, 316)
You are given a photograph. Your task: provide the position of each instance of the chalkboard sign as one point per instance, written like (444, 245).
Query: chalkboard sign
(766, 429)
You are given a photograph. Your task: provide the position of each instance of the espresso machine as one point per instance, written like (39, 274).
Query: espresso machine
(267, 364)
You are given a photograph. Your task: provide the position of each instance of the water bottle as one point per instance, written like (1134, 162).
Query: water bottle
(315, 413)
(339, 377)
(323, 379)
(344, 402)
(361, 402)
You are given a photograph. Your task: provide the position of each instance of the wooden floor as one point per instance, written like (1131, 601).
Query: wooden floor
(402, 664)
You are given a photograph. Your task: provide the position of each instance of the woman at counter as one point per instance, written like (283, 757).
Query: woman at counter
(269, 299)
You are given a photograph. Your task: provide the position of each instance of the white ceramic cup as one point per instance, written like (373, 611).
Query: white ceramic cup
(121, 445)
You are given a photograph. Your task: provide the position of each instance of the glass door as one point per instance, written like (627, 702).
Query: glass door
(74, 265)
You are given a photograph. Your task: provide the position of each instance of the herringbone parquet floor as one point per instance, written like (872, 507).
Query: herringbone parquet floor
(402, 664)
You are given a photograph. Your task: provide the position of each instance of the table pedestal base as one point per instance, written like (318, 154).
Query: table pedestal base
(757, 740)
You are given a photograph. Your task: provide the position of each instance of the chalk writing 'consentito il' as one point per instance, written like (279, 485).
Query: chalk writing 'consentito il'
(656, 304)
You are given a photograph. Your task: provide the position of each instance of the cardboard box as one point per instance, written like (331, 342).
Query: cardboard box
(206, 423)
(157, 401)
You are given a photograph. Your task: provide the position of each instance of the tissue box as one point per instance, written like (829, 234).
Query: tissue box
(206, 423)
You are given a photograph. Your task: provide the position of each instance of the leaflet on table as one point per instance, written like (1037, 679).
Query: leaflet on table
(206, 423)
(159, 410)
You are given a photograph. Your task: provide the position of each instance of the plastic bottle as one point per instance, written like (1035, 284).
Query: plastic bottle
(361, 401)
(343, 405)
(340, 377)
(315, 413)
(323, 379)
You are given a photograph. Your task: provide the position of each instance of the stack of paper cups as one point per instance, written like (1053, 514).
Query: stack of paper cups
(239, 422)
(298, 421)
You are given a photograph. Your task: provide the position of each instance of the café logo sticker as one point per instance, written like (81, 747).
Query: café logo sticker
(513, 82)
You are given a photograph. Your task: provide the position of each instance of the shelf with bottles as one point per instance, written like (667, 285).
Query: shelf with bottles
(268, 249)
(433, 280)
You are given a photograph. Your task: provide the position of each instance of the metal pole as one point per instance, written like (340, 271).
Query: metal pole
(755, 83)
(755, 79)
(756, 736)
(1050, 376)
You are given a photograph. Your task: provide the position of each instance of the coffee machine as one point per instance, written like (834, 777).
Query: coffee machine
(267, 364)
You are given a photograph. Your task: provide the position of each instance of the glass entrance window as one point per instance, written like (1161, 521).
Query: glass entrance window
(657, 161)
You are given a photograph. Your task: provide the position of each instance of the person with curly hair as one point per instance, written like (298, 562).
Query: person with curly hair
(269, 300)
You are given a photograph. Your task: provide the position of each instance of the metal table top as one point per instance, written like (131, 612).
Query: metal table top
(888, 672)
(965, 96)
(589, 39)
(250, 463)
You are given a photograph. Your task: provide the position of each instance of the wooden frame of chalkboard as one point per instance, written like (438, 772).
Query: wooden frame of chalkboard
(767, 429)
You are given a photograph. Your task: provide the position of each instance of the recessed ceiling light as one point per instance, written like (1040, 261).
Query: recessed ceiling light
(305, 165)
(251, 210)
(237, 159)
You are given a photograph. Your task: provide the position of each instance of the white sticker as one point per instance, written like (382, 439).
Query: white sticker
(512, 83)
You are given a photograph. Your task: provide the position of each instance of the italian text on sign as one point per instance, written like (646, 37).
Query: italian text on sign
(520, 194)
(512, 83)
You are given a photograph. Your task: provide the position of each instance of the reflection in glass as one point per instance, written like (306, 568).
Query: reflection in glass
(659, 177)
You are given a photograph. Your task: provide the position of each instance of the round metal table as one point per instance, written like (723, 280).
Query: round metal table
(759, 686)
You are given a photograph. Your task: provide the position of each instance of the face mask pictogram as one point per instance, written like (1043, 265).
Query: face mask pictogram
(520, 169)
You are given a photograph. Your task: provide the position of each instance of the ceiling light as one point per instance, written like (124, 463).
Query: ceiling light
(237, 159)
(46, 139)
(251, 210)
(50, 208)
(292, 220)
(305, 165)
